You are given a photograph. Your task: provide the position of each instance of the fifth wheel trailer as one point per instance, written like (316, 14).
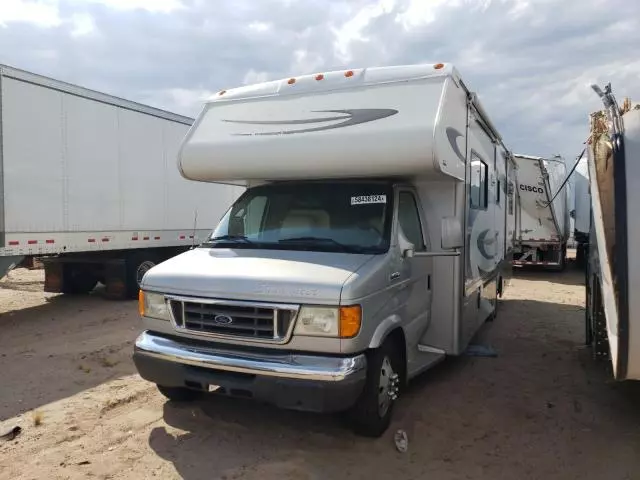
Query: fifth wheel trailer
(542, 220)
(88, 183)
(373, 241)
(613, 267)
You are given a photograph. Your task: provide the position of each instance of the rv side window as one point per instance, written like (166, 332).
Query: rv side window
(409, 220)
(478, 183)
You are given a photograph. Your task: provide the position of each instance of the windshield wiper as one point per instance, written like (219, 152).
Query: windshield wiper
(316, 240)
(229, 238)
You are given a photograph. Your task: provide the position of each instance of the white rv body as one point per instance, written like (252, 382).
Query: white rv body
(543, 216)
(85, 173)
(613, 266)
(417, 133)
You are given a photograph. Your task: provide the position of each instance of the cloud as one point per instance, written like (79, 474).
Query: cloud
(531, 62)
(43, 14)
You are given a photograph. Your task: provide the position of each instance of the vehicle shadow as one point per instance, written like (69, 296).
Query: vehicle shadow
(59, 348)
(572, 275)
(541, 405)
(224, 436)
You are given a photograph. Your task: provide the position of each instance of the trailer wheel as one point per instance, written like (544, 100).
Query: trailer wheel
(178, 394)
(78, 280)
(371, 415)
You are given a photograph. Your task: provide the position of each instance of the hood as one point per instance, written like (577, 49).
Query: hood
(260, 275)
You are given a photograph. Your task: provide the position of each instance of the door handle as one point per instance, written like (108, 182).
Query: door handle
(394, 276)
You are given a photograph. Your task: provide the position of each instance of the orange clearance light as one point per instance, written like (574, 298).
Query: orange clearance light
(438, 66)
(222, 92)
(141, 303)
(291, 81)
(348, 73)
(350, 321)
(319, 77)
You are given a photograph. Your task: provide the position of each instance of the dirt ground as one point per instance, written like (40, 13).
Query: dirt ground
(541, 409)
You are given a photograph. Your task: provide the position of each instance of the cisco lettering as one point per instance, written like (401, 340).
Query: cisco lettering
(531, 188)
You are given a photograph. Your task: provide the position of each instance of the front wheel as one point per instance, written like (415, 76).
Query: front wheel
(371, 415)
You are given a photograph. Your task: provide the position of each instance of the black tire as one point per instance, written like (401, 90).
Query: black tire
(496, 301)
(580, 256)
(178, 394)
(368, 416)
(78, 280)
(494, 315)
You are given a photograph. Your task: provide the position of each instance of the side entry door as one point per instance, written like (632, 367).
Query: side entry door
(416, 271)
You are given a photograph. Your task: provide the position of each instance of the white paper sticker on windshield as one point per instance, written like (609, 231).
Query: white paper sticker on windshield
(367, 199)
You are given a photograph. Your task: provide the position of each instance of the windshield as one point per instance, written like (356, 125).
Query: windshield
(352, 217)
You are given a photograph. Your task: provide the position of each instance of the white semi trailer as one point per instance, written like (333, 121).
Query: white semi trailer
(88, 183)
(542, 219)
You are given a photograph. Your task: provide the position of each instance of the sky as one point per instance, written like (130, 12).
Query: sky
(530, 61)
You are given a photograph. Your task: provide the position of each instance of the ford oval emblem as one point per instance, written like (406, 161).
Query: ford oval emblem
(223, 319)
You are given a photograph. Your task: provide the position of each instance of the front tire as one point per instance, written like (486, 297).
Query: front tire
(371, 414)
(178, 394)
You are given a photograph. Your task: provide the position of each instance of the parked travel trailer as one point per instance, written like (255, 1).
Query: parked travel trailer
(613, 273)
(542, 220)
(581, 209)
(88, 185)
(371, 242)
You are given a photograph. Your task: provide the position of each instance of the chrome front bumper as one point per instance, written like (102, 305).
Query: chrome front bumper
(287, 366)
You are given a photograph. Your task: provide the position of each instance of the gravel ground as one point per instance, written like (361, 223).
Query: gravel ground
(541, 409)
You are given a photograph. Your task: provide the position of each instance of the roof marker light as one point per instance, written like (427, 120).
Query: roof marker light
(319, 77)
(291, 81)
(348, 73)
(222, 92)
(438, 66)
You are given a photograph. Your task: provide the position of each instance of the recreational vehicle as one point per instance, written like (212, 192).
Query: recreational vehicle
(370, 243)
(542, 219)
(612, 273)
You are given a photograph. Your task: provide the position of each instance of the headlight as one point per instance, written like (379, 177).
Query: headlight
(320, 321)
(153, 305)
(343, 322)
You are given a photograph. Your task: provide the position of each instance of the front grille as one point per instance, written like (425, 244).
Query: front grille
(258, 322)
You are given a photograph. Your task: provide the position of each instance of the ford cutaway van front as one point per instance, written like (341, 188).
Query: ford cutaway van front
(280, 303)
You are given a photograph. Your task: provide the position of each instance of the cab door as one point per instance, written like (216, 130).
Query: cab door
(415, 273)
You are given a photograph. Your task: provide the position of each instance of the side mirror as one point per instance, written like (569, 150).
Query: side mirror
(451, 233)
(406, 247)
